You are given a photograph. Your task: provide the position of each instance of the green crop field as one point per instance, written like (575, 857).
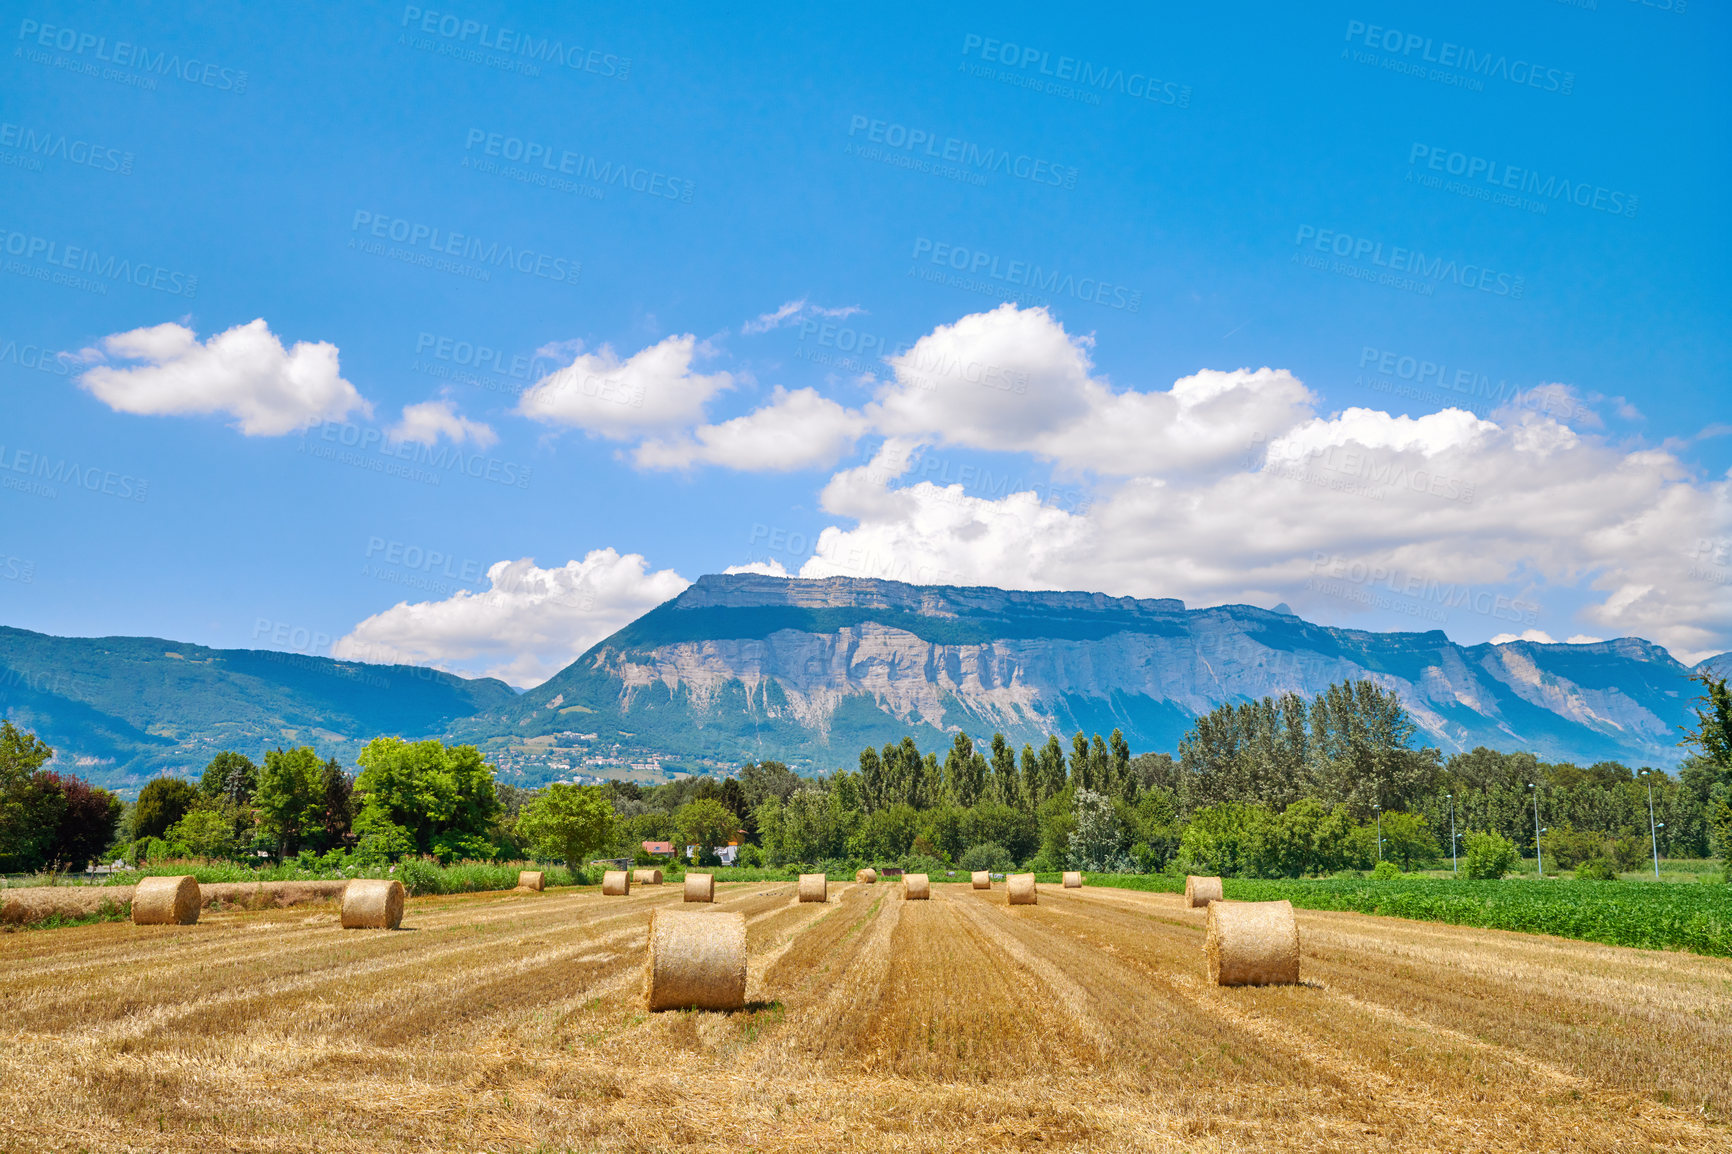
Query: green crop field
(1647, 915)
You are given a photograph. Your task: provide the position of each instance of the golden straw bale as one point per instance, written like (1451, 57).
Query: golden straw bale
(1023, 891)
(615, 884)
(372, 905)
(917, 887)
(530, 880)
(814, 888)
(166, 901)
(1201, 891)
(866, 876)
(696, 959)
(1072, 880)
(1252, 944)
(646, 877)
(700, 887)
(982, 879)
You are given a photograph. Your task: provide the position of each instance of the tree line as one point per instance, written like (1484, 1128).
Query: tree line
(1284, 786)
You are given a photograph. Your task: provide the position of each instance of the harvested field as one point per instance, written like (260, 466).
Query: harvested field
(515, 1022)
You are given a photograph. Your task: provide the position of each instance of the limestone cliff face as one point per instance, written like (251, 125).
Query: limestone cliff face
(824, 667)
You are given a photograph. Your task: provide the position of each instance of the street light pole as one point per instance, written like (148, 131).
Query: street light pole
(1539, 863)
(1379, 810)
(1653, 829)
(1452, 865)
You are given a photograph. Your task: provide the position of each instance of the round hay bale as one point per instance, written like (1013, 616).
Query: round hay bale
(1252, 944)
(1023, 891)
(615, 884)
(530, 880)
(917, 887)
(166, 901)
(696, 960)
(1201, 891)
(700, 887)
(1072, 880)
(372, 905)
(646, 877)
(982, 879)
(866, 876)
(814, 888)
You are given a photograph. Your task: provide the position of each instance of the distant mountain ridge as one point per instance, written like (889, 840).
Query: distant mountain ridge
(120, 710)
(810, 671)
(744, 666)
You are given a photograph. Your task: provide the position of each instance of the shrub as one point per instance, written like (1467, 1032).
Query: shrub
(1488, 856)
(1384, 870)
(987, 856)
(1598, 870)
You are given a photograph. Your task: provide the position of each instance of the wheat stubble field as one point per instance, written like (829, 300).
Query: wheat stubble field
(514, 1022)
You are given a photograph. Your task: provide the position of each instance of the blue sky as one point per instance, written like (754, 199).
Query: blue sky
(1480, 249)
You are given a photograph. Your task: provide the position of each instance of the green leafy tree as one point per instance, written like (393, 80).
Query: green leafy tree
(290, 797)
(568, 822)
(874, 789)
(706, 824)
(986, 855)
(230, 777)
(202, 832)
(1052, 771)
(942, 826)
(30, 807)
(1407, 838)
(1230, 839)
(964, 772)
(1006, 784)
(1010, 827)
(886, 834)
(431, 790)
(162, 802)
(1488, 856)
(1096, 842)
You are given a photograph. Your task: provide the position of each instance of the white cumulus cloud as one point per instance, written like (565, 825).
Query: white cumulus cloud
(426, 422)
(796, 430)
(244, 372)
(653, 390)
(527, 625)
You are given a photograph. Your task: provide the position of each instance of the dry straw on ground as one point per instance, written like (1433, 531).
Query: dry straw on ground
(696, 960)
(1252, 944)
(917, 887)
(530, 880)
(1072, 880)
(166, 901)
(1023, 891)
(982, 879)
(814, 888)
(646, 877)
(369, 904)
(615, 884)
(700, 887)
(866, 876)
(1201, 891)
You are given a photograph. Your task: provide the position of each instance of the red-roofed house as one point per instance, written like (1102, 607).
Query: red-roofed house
(665, 848)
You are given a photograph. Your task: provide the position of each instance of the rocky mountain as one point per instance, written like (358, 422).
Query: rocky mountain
(121, 710)
(808, 672)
